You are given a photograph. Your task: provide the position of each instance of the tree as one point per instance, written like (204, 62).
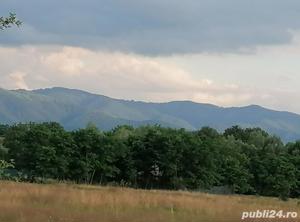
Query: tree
(3, 150)
(116, 141)
(234, 165)
(237, 132)
(40, 150)
(3, 129)
(277, 176)
(4, 165)
(147, 148)
(7, 22)
(92, 157)
(293, 150)
(243, 161)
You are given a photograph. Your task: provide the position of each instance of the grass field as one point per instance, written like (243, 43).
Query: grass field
(20, 202)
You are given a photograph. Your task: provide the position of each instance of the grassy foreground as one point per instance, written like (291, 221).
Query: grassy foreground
(20, 202)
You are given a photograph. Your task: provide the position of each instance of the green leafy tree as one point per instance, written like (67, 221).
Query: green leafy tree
(117, 142)
(199, 166)
(3, 129)
(157, 154)
(277, 177)
(234, 166)
(40, 150)
(93, 157)
(3, 150)
(293, 150)
(147, 147)
(7, 22)
(273, 173)
(248, 161)
(4, 166)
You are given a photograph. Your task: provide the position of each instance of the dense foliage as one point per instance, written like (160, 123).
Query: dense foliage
(7, 22)
(244, 161)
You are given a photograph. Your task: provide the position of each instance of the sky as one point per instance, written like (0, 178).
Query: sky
(228, 53)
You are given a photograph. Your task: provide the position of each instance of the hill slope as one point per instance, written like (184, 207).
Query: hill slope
(75, 108)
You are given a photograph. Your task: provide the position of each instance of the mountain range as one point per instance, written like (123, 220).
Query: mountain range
(75, 109)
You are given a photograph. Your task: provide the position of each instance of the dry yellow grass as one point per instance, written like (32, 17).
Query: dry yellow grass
(20, 202)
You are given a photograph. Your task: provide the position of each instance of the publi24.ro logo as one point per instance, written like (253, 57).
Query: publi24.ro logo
(269, 214)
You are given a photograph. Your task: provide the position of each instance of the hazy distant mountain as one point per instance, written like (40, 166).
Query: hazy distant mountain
(75, 108)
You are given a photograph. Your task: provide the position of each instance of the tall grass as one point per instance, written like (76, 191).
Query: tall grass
(20, 202)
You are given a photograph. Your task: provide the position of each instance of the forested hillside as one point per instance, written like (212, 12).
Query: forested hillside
(74, 109)
(243, 161)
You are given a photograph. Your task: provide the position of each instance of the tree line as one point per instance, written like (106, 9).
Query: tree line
(245, 161)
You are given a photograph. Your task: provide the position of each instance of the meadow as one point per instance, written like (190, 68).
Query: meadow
(24, 202)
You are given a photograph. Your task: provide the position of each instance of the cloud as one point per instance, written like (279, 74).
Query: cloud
(116, 74)
(18, 80)
(128, 76)
(154, 27)
(68, 61)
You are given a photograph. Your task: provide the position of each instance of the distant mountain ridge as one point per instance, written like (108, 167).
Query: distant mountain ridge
(75, 108)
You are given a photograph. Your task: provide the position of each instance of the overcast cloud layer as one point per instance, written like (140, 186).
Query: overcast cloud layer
(229, 53)
(156, 26)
